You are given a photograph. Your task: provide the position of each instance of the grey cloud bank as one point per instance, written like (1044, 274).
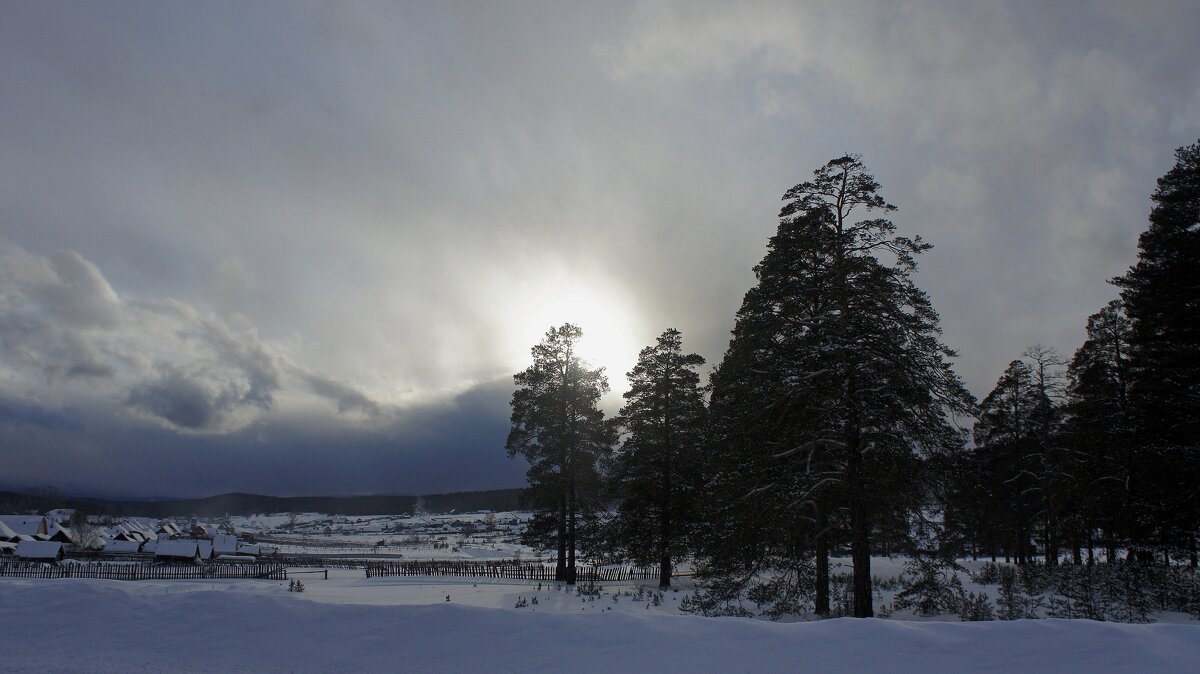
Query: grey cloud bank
(301, 248)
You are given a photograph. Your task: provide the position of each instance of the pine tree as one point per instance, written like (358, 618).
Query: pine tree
(558, 427)
(656, 470)
(1162, 300)
(1018, 450)
(836, 358)
(1098, 429)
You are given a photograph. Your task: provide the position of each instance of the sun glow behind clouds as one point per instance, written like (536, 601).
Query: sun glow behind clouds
(610, 334)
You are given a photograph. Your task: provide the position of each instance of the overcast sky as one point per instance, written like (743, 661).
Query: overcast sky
(300, 248)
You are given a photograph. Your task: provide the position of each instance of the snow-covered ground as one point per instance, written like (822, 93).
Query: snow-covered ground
(351, 623)
(473, 535)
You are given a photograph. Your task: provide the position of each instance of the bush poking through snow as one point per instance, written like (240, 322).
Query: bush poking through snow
(295, 585)
(927, 589)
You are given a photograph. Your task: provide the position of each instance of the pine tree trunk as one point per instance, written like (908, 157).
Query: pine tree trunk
(821, 546)
(560, 565)
(571, 543)
(860, 526)
(664, 549)
(1051, 543)
(664, 537)
(860, 548)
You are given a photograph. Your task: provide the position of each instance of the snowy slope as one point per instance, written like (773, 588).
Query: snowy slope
(108, 626)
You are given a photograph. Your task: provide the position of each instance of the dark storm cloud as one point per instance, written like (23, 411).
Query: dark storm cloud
(227, 229)
(448, 446)
(165, 360)
(14, 414)
(181, 401)
(347, 397)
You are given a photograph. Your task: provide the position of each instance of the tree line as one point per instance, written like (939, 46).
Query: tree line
(835, 422)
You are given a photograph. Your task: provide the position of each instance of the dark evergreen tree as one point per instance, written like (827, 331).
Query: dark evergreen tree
(1098, 432)
(1162, 299)
(558, 427)
(835, 381)
(1048, 459)
(1019, 458)
(656, 470)
(1001, 438)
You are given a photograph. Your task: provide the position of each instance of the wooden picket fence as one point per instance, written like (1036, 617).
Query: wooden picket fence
(143, 571)
(317, 561)
(508, 569)
(144, 557)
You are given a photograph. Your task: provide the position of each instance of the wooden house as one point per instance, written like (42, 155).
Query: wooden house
(177, 551)
(39, 551)
(59, 534)
(122, 547)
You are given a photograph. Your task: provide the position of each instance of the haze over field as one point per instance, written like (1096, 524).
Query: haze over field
(295, 248)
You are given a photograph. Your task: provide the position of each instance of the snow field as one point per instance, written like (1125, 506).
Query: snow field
(386, 624)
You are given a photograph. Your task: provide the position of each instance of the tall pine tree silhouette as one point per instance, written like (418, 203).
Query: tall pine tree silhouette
(836, 381)
(1162, 299)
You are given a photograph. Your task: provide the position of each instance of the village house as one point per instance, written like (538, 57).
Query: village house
(115, 546)
(39, 551)
(177, 551)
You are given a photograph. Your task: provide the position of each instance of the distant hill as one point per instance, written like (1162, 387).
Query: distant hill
(250, 504)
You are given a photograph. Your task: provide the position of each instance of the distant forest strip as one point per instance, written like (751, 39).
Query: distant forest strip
(252, 504)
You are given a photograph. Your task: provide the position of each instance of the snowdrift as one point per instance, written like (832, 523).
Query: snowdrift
(108, 626)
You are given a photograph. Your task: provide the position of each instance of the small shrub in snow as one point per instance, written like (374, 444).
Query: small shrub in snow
(841, 594)
(295, 586)
(713, 603)
(886, 584)
(989, 574)
(926, 589)
(972, 608)
(1014, 604)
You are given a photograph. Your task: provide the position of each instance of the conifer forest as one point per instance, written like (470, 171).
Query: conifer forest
(835, 425)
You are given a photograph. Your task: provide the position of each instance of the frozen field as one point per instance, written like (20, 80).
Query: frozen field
(421, 537)
(354, 624)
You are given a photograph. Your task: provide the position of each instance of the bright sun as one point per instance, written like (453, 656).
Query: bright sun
(609, 334)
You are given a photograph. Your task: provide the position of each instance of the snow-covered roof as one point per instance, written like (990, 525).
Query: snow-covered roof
(23, 524)
(39, 549)
(249, 550)
(122, 546)
(206, 548)
(61, 533)
(224, 544)
(6, 533)
(150, 545)
(176, 549)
